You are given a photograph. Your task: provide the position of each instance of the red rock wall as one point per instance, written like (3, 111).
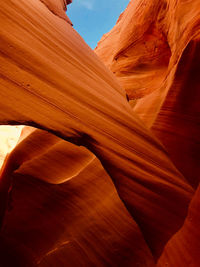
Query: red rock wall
(52, 80)
(178, 122)
(183, 248)
(156, 59)
(154, 51)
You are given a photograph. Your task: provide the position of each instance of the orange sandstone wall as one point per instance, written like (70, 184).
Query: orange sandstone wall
(121, 210)
(154, 52)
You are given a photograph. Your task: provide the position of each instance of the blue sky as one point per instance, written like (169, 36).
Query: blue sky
(93, 18)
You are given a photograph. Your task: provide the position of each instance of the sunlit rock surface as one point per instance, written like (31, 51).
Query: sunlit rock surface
(9, 136)
(59, 204)
(58, 8)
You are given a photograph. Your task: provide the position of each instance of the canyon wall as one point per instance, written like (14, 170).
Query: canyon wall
(154, 52)
(61, 205)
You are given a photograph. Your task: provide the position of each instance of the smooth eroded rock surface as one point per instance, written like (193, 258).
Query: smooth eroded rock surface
(61, 206)
(154, 52)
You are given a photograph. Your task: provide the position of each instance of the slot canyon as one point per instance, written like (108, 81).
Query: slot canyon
(100, 149)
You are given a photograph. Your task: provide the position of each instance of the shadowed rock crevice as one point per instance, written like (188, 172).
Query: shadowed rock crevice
(178, 122)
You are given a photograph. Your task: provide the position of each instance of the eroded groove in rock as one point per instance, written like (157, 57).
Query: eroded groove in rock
(52, 80)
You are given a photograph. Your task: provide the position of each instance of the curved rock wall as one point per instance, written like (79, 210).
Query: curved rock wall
(52, 80)
(183, 248)
(154, 52)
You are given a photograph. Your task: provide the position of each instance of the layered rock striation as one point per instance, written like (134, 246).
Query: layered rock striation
(60, 205)
(154, 52)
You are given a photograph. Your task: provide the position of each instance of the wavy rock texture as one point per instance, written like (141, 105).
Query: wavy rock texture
(140, 53)
(178, 122)
(58, 206)
(88, 210)
(52, 160)
(183, 248)
(79, 223)
(154, 52)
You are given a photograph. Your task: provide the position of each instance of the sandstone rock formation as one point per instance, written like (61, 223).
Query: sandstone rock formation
(183, 248)
(58, 8)
(59, 204)
(79, 223)
(154, 52)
